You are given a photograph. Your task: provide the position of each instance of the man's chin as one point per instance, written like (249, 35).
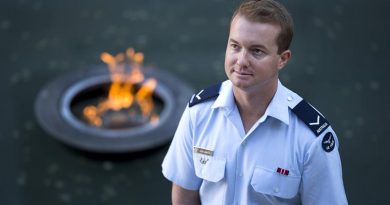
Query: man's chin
(240, 84)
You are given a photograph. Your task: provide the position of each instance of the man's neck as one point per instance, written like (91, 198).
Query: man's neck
(252, 104)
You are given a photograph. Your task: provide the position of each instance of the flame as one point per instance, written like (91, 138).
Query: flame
(122, 92)
(144, 96)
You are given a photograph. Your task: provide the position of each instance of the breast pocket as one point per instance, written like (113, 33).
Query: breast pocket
(270, 182)
(209, 168)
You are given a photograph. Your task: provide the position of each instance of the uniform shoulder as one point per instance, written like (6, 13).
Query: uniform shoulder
(205, 94)
(310, 116)
(316, 127)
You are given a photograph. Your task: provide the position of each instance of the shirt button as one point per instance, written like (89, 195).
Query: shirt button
(289, 98)
(276, 189)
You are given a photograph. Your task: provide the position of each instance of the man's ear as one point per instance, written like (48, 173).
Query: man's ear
(284, 57)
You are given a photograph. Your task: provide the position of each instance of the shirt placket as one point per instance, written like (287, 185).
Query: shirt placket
(239, 172)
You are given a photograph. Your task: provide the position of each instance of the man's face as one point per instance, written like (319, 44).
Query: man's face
(251, 60)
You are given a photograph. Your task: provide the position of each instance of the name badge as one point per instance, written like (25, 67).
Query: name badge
(203, 151)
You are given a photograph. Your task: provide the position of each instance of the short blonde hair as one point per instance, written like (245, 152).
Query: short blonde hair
(269, 11)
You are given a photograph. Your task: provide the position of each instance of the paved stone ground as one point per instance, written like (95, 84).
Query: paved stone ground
(339, 64)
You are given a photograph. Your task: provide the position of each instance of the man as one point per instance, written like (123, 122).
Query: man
(250, 140)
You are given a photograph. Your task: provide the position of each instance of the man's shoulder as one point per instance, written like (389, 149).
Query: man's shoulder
(313, 126)
(205, 95)
(306, 113)
(311, 117)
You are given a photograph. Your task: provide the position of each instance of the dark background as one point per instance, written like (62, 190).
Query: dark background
(340, 55)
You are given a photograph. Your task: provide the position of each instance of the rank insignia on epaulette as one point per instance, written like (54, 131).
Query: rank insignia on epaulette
(205, 94)
(311, 117)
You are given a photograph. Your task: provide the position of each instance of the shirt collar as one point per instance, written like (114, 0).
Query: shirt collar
(226, 98)
(278, 107)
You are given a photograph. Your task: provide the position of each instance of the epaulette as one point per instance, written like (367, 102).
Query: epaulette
(205, 94)
(311, 117)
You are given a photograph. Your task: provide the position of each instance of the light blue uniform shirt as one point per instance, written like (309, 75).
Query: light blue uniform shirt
(212, 153)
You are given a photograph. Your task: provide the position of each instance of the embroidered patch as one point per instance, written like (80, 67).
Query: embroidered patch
(328, 142)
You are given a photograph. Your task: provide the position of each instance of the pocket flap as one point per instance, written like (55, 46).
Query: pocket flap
(272, 183)
(210, 169)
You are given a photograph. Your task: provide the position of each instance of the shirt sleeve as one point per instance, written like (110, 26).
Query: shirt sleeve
(178, 165)
(322, 181)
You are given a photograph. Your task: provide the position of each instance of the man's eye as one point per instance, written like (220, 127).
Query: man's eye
(234, 46)
(258, 51)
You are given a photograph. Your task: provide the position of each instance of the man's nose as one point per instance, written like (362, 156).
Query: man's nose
(242, 59)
